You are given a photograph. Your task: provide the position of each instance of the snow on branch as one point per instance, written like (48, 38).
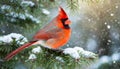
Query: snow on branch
(10, 38)
(76, 52)
(39, 54)
(27, 3)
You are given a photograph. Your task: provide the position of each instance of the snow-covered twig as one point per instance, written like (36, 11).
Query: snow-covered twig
(37, 50)
(32, 56)
(77, 52)
(10, 38)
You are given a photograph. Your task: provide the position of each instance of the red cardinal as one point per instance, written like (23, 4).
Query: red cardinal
(53, 35)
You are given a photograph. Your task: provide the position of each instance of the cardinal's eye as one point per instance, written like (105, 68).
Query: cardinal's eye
(63, 20)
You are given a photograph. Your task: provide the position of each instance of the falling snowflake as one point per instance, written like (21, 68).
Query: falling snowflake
(108, 26)
(116, 6)
(45, 11)
(89, 20)
(109, 41)
(111, 14)
(105, 23)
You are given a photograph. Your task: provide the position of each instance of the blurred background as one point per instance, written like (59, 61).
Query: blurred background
(95, 24)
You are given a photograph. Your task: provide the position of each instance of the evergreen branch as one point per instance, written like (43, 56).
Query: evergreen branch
(47, 57)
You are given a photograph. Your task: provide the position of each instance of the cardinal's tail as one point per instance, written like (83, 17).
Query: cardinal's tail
(13, 53)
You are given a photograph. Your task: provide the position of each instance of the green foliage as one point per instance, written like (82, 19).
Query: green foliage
(16, 15)
(45, 59)
(6, 48)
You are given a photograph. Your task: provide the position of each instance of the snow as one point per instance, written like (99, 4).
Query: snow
(23, 16)
(13, 14)
(88, 54)
(28, 3)
(5, 7)
(111, 14)
(67, 45)
(77, 52)
(79, 49)
(116, 6)
(105, 23)
(9, 38)
(108, 26)
(59, 59)
(32, 18)
(72, 52)
(32, 56)
(37, 50)
(45, 11)
(109, 41)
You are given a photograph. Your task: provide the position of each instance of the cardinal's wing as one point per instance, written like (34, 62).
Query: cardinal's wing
(51, 30)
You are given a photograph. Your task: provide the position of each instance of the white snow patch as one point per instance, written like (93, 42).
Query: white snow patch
(5, 7)
(22, 16)
(32, 18)
(37, 50)
(77, 52)
(88, 54)
(59, 59)
(9, 38)
(79, 49)
(13, 14)
(45, 11)
(72, 52)
(29, 3)
(32, 56)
